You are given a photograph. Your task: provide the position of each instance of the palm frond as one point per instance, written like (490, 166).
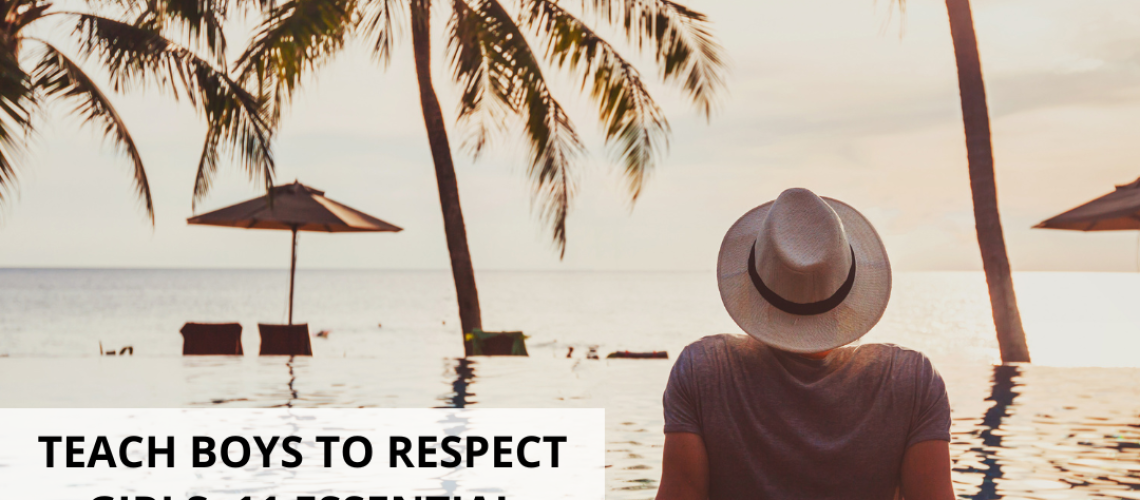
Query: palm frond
(491, 59)
(632, 120)
(17, 99)
(18, 15)
(137, 55)
(57, 76)
(201, 21)
(294, 38)
(381, 22)
(482, 112)
(207, 166)
(683, 45)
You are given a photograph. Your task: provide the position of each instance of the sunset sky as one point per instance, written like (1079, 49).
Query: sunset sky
(823, 94)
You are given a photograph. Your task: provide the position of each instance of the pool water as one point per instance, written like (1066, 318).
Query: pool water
(1066, 427)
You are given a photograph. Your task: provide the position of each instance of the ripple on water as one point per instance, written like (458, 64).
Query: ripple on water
(1051, 433)
(1029, 432)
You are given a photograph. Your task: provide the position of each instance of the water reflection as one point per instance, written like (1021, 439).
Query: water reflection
(1027, 432)
(464, 375)
(456, 424)
(1002, 395)
(292, 382)
(290, 386)
(1050, 434)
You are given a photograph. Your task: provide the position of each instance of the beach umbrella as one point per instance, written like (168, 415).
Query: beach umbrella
(294, 207)
(1115, 211)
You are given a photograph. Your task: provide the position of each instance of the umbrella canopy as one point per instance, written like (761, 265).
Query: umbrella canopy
(1115, 211)
(294, 207)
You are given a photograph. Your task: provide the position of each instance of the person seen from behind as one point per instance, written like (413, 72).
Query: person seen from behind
(795, 410)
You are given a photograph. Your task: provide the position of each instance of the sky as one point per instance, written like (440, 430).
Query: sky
(844, 97)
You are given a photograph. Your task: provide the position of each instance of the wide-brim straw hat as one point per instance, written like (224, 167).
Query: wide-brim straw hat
(803, 273)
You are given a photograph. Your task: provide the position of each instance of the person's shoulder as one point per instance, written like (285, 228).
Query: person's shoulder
(890, 351)
(705, 360)
(900, 360)
(715, 350)
(717, 345)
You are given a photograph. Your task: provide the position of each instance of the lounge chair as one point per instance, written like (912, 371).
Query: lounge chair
(496, 343)
(639, 355)
(290, 340)
(210, 338)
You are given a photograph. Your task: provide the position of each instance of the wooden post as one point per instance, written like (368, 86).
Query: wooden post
(292, 273)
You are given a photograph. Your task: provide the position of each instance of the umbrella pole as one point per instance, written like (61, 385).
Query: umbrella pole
(292, 273)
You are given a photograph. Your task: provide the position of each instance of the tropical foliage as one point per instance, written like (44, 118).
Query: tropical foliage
(134, 49)
(497, 53)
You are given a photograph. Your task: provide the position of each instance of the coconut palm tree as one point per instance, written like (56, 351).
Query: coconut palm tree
(491, 47)
(979, 154)
(35, 69)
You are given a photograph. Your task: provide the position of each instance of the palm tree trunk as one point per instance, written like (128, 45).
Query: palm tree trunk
(979, 153)
(461, 270)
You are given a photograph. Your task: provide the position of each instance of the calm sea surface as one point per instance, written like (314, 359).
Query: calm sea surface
(1066, 427)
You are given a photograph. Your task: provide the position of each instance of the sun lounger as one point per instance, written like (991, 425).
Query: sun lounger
(210, 338)
(639, 355)
(497, 343)
(290, 340)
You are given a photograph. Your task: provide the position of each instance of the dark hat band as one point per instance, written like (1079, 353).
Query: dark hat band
(809, 309)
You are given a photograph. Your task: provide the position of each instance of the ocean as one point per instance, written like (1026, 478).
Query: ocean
(1065, 427)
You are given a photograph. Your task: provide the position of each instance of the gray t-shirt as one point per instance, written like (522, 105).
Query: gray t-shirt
(781, 426)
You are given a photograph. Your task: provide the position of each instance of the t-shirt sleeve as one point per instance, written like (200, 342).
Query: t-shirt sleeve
(931, 418)
(682, 406)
